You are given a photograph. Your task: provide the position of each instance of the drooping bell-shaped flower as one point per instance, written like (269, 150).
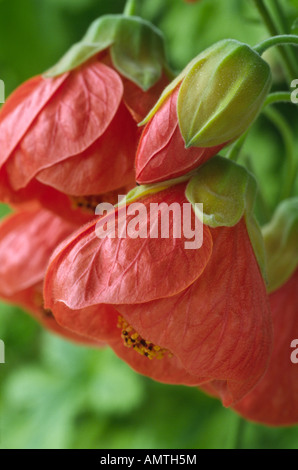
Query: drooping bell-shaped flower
(69, 138)
(27, 240)
(209, 105)
(274, 401)
(178, 295)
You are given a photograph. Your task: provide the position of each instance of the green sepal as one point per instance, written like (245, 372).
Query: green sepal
(225, 189)
(168, 90)
(228, 192)
(136, 47)
(222, 91)
(281, 243)
(146, 189)
(222, 94)
(138, 52)
(99, 36)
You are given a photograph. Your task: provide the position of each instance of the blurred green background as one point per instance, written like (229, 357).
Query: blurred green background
(54, 394)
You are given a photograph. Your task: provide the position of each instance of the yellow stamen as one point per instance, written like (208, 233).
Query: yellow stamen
(89, 203)
(132, 339)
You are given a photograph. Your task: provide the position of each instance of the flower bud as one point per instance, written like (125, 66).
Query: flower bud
(211, 103)
(222, 94)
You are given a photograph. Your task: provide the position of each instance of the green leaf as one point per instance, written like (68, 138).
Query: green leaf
(280, 237)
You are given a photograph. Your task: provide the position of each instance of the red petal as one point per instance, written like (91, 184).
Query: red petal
(28, 300)
(220, 326)
(274, 401)
(140, 102)
(161, 154)
(77, 115)
(20, 110)
(137, 101)
(90, 271)
(167, 370)
(41, 196)
(107, 165)
(98, 322)
(27, 240)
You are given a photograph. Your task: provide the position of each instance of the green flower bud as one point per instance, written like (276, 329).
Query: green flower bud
(221, 94)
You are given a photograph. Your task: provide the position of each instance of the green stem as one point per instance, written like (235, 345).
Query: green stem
(273, 30)
(265, 213)
(264, 12)
(279, 14)
(234, 152)
(284, 28)
(130, 8)
(278, 97)
(280, 40)
(290, 165)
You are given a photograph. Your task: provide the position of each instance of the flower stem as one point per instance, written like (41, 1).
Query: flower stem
(279, 14)
(234, 152)
(273, 30)
(264, 12)
(130, 8)
(278, 97)
(281, 124)
(284, 28)
(279, 40)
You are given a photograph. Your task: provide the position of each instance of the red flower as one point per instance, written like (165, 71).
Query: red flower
(274, 401)
(161, 153)
(27, 240)
(210, 104)
(198, 314)
(70, 141)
